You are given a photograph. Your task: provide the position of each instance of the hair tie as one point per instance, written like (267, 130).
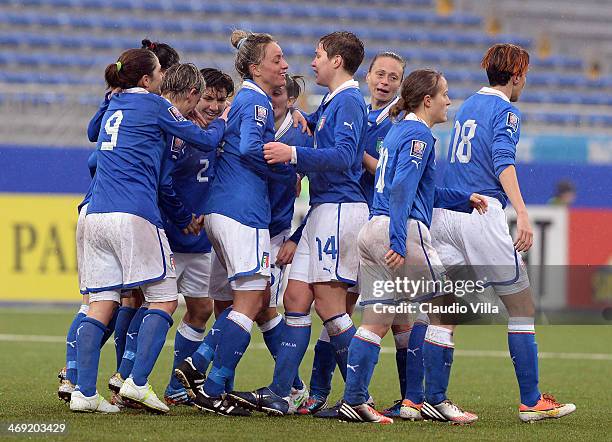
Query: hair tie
(152, 46)
(241, 42)
(118, 64)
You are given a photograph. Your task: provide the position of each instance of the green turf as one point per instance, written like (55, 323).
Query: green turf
(485, 385)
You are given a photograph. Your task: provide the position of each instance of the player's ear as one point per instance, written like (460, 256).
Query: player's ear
(337, 62)
(427, 100)
(255, 70)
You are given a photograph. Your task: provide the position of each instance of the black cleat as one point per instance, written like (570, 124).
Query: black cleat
(330, 412)
(263, 399)
(218, 405)
(190, 377)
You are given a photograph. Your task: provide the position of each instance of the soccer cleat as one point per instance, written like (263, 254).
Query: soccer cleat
(546, 408)
(190, 377)
(334, 412)
(177, 397)
(94, 404)
(446, 411)
(410, 411)
(143, 395)
(393, 410)
(312, 405)
(115, 383)
(61, 375)
(65, 390)
(297, 398)
(361, 413)
(218, 405)
(262, 399)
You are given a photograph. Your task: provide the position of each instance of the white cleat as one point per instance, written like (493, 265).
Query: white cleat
(115, 383)
(297, 398)
(546, 408)
(447, 411)
(145, 396)
(93, 404)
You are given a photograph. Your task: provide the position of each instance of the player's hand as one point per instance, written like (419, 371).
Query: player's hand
(194, 226)
(275, 152)
(285, 253)
(298, 185)
(524, 233)
(298, 119)
(196, 117)
(394, 259)
(479, 203)
(225, 113)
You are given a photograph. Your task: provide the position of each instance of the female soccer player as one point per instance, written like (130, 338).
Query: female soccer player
(192, 176)
(395, 243)
(125, 245)
(238, 209)
(121, 323)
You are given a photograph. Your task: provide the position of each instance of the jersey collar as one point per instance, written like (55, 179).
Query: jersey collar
(491, 91)
(344, 86)
(284, 127)
(249, 84)
(413, 117)
(385, 112)
(135, 90)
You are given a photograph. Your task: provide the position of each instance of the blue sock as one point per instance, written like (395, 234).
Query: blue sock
(323, 366)
(131, 343)
(271, 332)
(293, 345)
(341, 330)
(151, 338)
(124, 317)
(401, 344)
(89, 339)
(524, 353)
(71, 344)
(362, 358)
(110, 328)
(186, 341)
(415, 372)
(235, 335)
(205, 352)
(438, 350)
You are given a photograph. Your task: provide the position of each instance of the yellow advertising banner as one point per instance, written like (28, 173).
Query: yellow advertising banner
(38, 247)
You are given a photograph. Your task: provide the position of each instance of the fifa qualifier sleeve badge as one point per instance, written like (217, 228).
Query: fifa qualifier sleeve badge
(418, 149)
(512, 121)
(261, 113)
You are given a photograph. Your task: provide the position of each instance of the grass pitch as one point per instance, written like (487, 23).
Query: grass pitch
(32, 351)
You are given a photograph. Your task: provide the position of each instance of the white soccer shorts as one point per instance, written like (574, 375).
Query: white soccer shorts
(482, 242)
(123, 251)
(328, 250)
(193, 274)
(418, 275)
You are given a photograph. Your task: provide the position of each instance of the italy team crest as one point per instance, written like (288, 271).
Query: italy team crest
(265, 260)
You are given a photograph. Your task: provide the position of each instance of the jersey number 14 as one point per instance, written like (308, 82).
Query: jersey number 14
(462, 148)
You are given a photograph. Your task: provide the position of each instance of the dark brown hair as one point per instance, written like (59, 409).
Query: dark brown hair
(217, 80)
(388, 54)
(504, 60)
(131, 66)
(251, 50)
(347, 45)
(166, 54)
(294, 85)
(415, 87)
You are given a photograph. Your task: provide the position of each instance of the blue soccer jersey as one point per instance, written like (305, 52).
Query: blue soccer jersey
(282, 196)
(92, 164)
(132, 143)
(334, 165)
(379, 124)
(240, 188)
(405, 180)
(192, 175)
(483, 143)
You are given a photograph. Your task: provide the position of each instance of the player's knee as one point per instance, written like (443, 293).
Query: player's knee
(198, 311)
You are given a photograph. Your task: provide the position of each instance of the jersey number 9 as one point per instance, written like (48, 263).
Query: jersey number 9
(112, 128)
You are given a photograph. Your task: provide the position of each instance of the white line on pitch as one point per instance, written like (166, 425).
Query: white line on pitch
(259, 346)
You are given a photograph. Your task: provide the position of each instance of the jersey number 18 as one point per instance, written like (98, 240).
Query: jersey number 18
(462, 149)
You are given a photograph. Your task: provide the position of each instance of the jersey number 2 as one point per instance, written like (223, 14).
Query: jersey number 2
(112, 128)
(462, 149)
(200, 176)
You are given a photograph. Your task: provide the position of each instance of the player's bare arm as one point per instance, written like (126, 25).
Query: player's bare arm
(524, 232)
